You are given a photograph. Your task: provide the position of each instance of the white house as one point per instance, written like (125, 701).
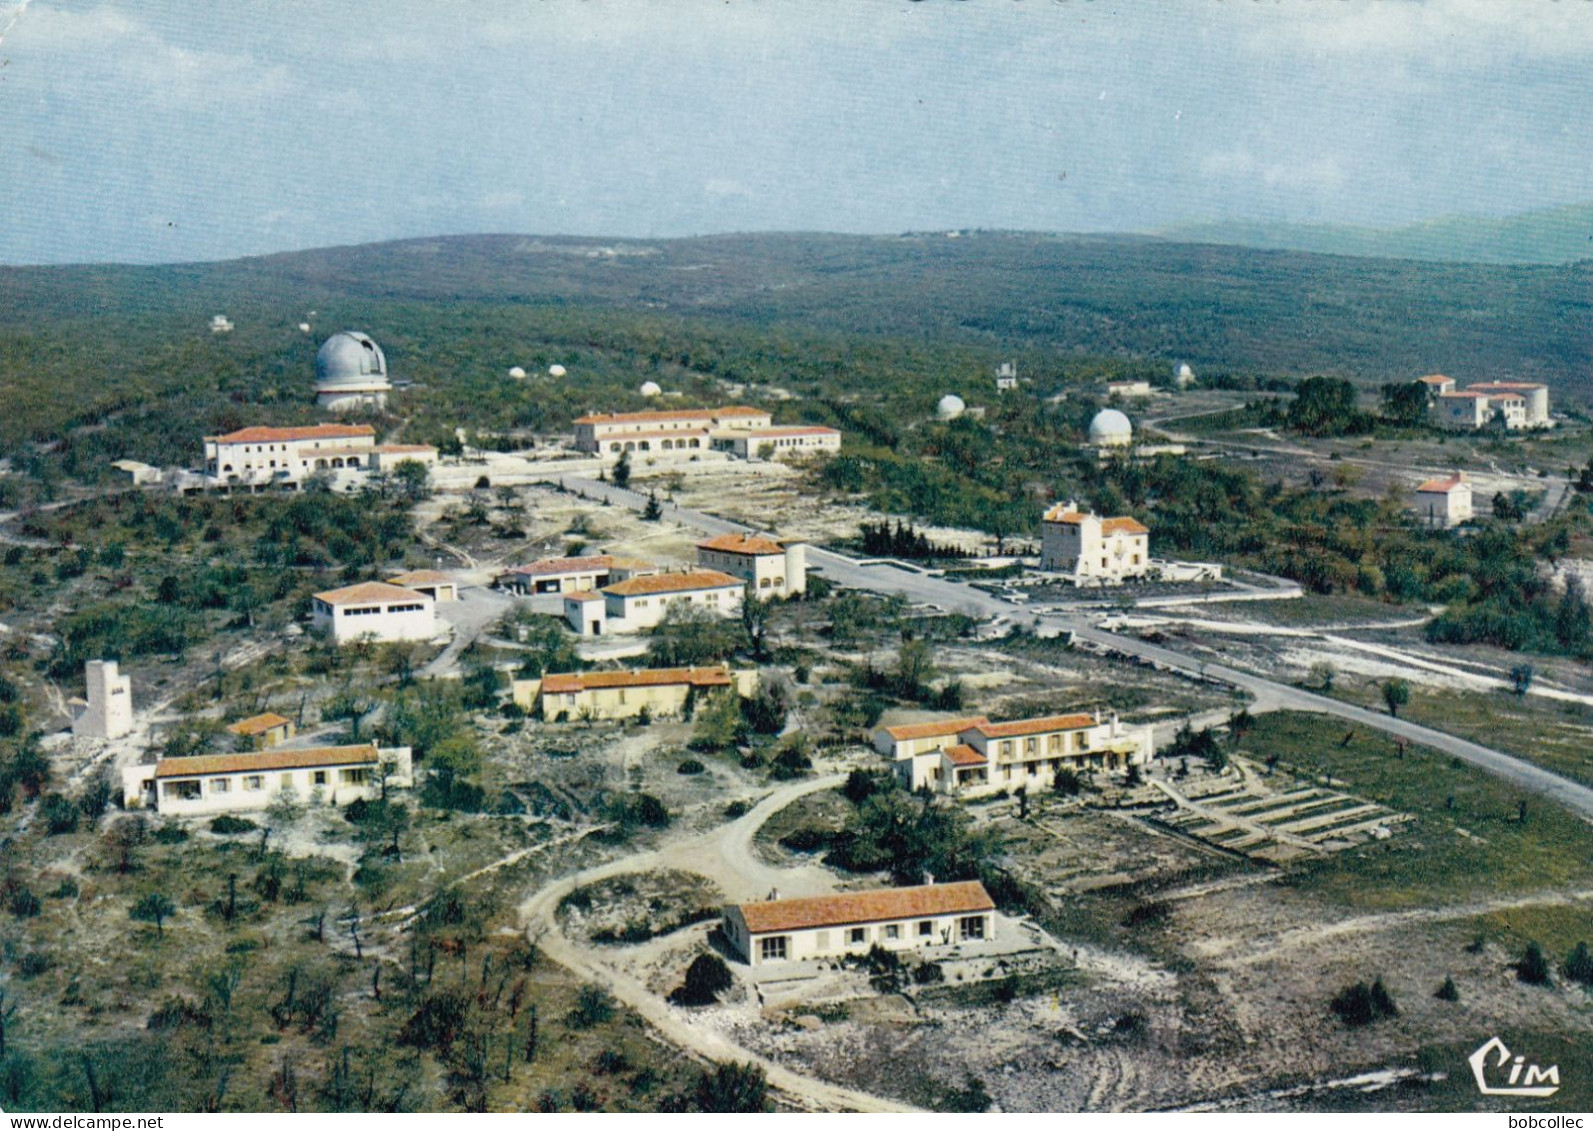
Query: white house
(1519, 404)
(108, 711)
(677, 430)
(775, 569)
(641, 602)
(1128, 389)
(1436, 384)
(373, 610)
(852, 923)
(1092, 550)
(976, 757)
(1444, 502)
(230, 783)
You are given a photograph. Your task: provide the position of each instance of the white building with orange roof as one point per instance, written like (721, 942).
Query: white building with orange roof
(1517, 404)
(572, 575)
(1091, 550)
(1444, 502)
(374, 611)
(286, 457)
(430, 582)
(232, 783)
(640, 603)
(263, 731)
(853, 923)
(1436, 384)
(773, 568)
(668, 430)
(974, 757)
(659, 692)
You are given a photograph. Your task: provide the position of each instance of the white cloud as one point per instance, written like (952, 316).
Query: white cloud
(1316, 175)
(1438, 32)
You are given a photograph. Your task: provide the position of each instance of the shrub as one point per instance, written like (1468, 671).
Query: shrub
(737, 1088)
(59, 814)
(928, 974)
(689, 766)
(34, 963)
(737, 809)
(1361, 1004)
(66, 889)
(228, 825)
(1068, 783)
(1533, 967)
(23, 903)
(805, 839)
(1448, 991)
(706, 978)
(436, 1023)
(1579, 965)
(593, 1006)
(972, 1096)
(170, 834)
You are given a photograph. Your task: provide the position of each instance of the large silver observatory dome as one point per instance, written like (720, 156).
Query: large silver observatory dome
(350, 368)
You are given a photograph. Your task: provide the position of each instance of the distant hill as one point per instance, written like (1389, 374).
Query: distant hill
(824, 315)
(1549, 235)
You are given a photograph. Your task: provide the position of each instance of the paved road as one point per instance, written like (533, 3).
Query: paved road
(1269, 696)
(725, 855)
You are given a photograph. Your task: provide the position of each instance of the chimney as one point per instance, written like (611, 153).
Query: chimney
(774, 894)
(929, 879)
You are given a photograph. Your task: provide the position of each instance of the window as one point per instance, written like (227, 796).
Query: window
(287, 781)
(1006, 749)
(355, 776)
(772, 949)
(254, 783)
(182, 790)
(220, 785)
(971, 927)
(319, 777)
(1031, 745)
(893, 931)
(926, 928)
(857, 934)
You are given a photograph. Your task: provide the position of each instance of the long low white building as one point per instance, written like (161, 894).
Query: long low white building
(231, 783)
(642, 602)
(852, 923)
(373, 610)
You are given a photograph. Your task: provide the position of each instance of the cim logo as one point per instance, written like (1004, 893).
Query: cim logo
(1524, 1079)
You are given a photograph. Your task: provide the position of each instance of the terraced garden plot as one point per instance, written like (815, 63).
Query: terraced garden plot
(1279, 826)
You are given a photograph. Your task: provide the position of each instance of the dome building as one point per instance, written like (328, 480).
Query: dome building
(351, 372)
(950, 407)
(1111, 429)
(650, 389)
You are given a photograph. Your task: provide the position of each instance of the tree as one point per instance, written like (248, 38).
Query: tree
(1521, 679)
(690, 636)
(1579, 965)
(412, 480)
(915, 667)
(154, 908)
(1448, 991)
(1321, 676)
(1396, 693)
(654, 510)
(1326, 406)
(593, 1006)
(754, 620)
(1405, 403)
(706, 978)
(622, 471)
(1533, 968)
(972, 1096)
(766, 710)
(1361, 1004)
(717, 723)
(736, 1088)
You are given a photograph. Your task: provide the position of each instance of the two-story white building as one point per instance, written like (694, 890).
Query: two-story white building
(852, 923)
(642, 602)
(286, 457)
(1517, 404)
(774, 568)
(669, 430)
(976, 757)
(1091, 550)
(232, 783)
(375, 611)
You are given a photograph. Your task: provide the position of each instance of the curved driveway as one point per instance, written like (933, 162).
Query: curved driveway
(724, 855)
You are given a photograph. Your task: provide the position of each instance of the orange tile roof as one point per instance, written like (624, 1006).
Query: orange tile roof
(1441, 486)
(274, 759)
(667, 433)
(792, 430)
(258, 724)
(1123, 525)
(750, 544)
(648, 677)
(673, 583)
(884, 905)
(1063, 513)
(420, 577)
(1508, 386)
(940, 728)
(260, 435)
(670, 414)
(964, 755)
(1435, 379)
(588, 564)
(399, 449)
(369, 593)
(585, 595)
(1022, 727)
(1463, 395)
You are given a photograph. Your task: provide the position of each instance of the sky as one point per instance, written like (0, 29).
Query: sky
(169, 130)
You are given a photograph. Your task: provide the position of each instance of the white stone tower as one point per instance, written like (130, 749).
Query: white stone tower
(109, 711)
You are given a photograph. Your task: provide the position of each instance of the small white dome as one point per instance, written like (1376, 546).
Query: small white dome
(517, 373)
(1111, 428)
(951, 406)
(556, 371)
(650, 389)
(304, 327)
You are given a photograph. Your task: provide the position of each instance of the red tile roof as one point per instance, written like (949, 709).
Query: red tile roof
(681, 414)
(1436, 379)
(585, 595)
(274, 759)
(940, 728)
(369, 593)
(595, 563)
(1035, 726)
(882, 906)
(749, 544)
(260, 435)
(420, 577)
(1507, 386)
(648, 677)
(1441, 486)
(1123, 526)
(258, 724)
(964, 755)
(674, 583)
